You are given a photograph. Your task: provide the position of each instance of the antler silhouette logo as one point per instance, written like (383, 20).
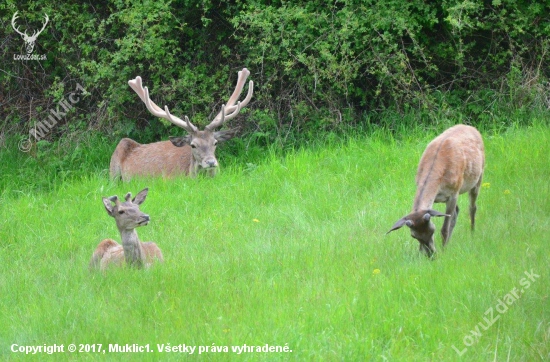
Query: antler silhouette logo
(29, 40)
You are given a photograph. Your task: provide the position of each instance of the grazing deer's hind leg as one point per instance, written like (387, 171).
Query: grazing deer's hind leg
(473, 207)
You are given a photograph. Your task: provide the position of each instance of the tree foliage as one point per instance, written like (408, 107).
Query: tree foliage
(317, 65)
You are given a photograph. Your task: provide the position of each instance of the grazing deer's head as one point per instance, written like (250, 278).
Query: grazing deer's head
(203, 143)
(127, 214)
(422, 228)
(29, 40)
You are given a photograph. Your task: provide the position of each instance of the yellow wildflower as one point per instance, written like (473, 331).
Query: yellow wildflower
(486, 185)
(506, 192)
(376, 271)
(255, 220)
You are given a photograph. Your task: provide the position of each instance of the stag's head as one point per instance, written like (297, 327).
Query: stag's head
(203, 143)
(29, 39)
(422, 228)
(127, 214)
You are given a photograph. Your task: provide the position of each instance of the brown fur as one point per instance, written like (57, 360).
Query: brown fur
(132, 251)
(110, 253)
(154, 159)
(181, 155)
(452, 164)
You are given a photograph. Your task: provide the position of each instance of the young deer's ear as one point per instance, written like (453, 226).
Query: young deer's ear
(108, 204)
(181, 141)
(140, 197)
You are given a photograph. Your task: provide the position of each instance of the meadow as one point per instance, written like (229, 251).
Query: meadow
(290, 252)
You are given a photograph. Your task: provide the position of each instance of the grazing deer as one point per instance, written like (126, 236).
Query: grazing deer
(451, 165)
(180, 155)
(128, 217)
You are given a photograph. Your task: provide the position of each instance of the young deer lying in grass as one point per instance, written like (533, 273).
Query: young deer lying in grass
(128, 217)
(452, 164)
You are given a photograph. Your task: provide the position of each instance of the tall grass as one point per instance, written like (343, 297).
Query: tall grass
(290, 250)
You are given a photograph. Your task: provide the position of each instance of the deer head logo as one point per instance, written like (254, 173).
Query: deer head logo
(29, 40)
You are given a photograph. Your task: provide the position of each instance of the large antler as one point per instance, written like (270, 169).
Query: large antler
(143, 93)
(231, 108)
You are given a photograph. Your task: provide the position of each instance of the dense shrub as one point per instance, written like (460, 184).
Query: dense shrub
(317, 66)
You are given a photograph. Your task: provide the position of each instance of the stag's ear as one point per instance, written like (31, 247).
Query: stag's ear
(399, 224)
(181, 141)
(225, 135)
(108, 205)
(140, 197)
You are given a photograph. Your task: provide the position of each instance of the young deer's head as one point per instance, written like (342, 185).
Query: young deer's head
(422, 228)
(127, 214)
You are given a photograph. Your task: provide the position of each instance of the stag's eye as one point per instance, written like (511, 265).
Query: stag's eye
(193, 146)
(121, 212)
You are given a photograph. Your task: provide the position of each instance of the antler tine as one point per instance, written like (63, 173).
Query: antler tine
(128, 196)
(234, 114)
(222, 118)
(186, 125)
(248, 97)
(219, 120)
(231, 107)
(143, 93)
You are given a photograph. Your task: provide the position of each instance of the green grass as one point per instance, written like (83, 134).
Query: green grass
(284, 252)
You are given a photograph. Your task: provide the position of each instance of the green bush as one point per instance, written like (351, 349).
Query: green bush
(318, 67)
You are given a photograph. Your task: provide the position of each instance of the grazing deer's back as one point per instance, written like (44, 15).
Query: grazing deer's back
(455, 156)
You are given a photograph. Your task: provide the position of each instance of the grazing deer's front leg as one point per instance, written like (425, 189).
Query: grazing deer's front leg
(450, 221)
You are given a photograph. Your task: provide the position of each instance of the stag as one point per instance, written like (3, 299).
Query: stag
(29, 40)
(180, 155)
